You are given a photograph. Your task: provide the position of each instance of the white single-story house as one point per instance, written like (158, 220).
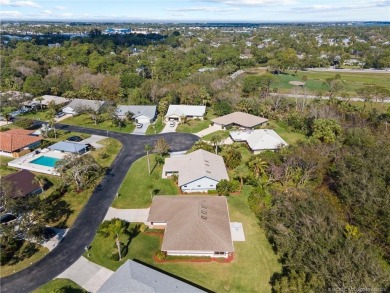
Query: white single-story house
(69, 147)
(239, 119)
(199, 171)
(79, 105)
(194, 225)
(176, 112)
(142, 114)
(133, 276)
(55, 99)
(259, 140)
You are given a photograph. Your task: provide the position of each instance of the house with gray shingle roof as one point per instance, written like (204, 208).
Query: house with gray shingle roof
(199, 171)
(77, 106)
(176, 112)
(194, 225)
(135, 277)
(141, 113)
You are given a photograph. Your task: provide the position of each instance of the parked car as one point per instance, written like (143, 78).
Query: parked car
(60, 114)
(74, 138)
(172, 123)
(139, 125)
(6, 218)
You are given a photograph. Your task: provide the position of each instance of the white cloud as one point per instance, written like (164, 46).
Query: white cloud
(60, 8)
(253, 2)
(344, 6)
(19, 3)
(10, 14)
(203, 9)
(46, 12)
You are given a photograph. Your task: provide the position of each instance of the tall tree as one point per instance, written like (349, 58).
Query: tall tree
(148, 149)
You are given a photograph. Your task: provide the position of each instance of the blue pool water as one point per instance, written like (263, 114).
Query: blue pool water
(45, 161)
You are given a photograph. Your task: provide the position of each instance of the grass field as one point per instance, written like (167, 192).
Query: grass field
(60, 285)
(27, 254)
(223, 133)
(289, 136)
(194, 126)
(4, 169)
(157, 127)
(85, 121)
(253, 265)
(316, 80)
(137, 187)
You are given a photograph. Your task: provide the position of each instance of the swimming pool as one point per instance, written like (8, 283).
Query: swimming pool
(45, 161)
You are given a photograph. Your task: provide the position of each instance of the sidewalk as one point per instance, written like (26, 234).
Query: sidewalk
(210, 129)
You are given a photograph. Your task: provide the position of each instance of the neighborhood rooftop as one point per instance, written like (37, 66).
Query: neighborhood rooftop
(135, 277)
(81, 104)
(137, 110)
(48, 98)
(21, 183)
(15, 139)
(259, 139)
(68, 146)
(186, 110)
(196, 165)
(240, 119)
(194, 223)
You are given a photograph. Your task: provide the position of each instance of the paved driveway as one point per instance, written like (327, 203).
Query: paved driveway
(168, 128)
(142, 130)
(87, 274)
(210, 129)
(82, 232)
(93, 140)
(130, 215)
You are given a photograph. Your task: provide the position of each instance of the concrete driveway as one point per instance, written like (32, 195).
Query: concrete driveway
(93, 140)
(142, 130)
(210, 129)
(130, 215)
(87, 274)
(168, 128)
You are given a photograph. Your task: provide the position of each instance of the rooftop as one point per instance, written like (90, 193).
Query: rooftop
(68, 146)
(193, 222)
(137, 110)
(21, 183)
(259, 139)
(135, 277)
(240, 118)
(196, 165)
(186, 110)
(16, 139)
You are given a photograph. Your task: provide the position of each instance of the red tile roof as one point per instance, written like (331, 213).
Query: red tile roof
(16, 139)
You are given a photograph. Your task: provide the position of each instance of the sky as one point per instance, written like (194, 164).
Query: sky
(196, 10)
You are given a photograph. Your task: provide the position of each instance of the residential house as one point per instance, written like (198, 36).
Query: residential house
(77, 106)
(259, 140)
(177, 112)
(199, 171)
(240, 119)
(141, 114)
(69, 147)
(54, 99)
(21, 183)
(133, 276)
(194, 225)
(18, 142)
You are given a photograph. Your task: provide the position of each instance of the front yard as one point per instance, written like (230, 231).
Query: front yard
(60, 285)
(138, 187)
(196, 125)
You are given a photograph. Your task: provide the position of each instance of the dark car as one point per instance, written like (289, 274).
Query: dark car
(60, 114)
(6, 218)
(74, 138)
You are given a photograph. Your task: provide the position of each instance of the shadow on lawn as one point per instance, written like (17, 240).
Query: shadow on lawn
(132, 233)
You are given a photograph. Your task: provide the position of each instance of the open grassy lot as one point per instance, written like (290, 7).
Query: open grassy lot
(138, 187)
(289, 136)
(156, 127)
(27, 254)
(194, 126)
(223, 133)
(253, 265)
(316, 80)
(86, 121)
(60, 285)
(4, 168)
(36, 115)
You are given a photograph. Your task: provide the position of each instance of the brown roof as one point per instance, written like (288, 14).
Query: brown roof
(21, 183)
(240, 118)
(15, 139)
(194, 223)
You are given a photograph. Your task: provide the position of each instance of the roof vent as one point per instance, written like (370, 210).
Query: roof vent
(203, 217)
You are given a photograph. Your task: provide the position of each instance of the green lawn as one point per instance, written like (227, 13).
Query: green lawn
(27, 254)
(194, 126)
(315, 81)
(4, 168)
(224, 134)
(289, 136)
(137, 187)
(37, 115)
(60, 285)
(253, 265)
(85, 121)
(156, 127)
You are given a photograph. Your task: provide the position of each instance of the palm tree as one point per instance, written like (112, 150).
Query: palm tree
(40, 99)
(148, 148)
(258, 165)
(41, 180)
(114, 230)
(241, 172)
(52, 123)
(215, 140)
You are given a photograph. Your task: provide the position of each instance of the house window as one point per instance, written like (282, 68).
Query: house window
(211, 185)
(185, 186)
(198, 185)
(219, 253)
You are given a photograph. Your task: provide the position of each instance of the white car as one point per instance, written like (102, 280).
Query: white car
(139, 125)
(172, 123)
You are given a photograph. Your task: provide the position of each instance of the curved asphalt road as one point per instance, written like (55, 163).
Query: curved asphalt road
(84, 228)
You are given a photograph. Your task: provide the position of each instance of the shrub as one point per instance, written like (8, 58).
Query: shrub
(114, 256)
(212, 192)
(160, 255)
(143, 228)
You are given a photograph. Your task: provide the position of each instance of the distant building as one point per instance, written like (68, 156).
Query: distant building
(116, 31)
